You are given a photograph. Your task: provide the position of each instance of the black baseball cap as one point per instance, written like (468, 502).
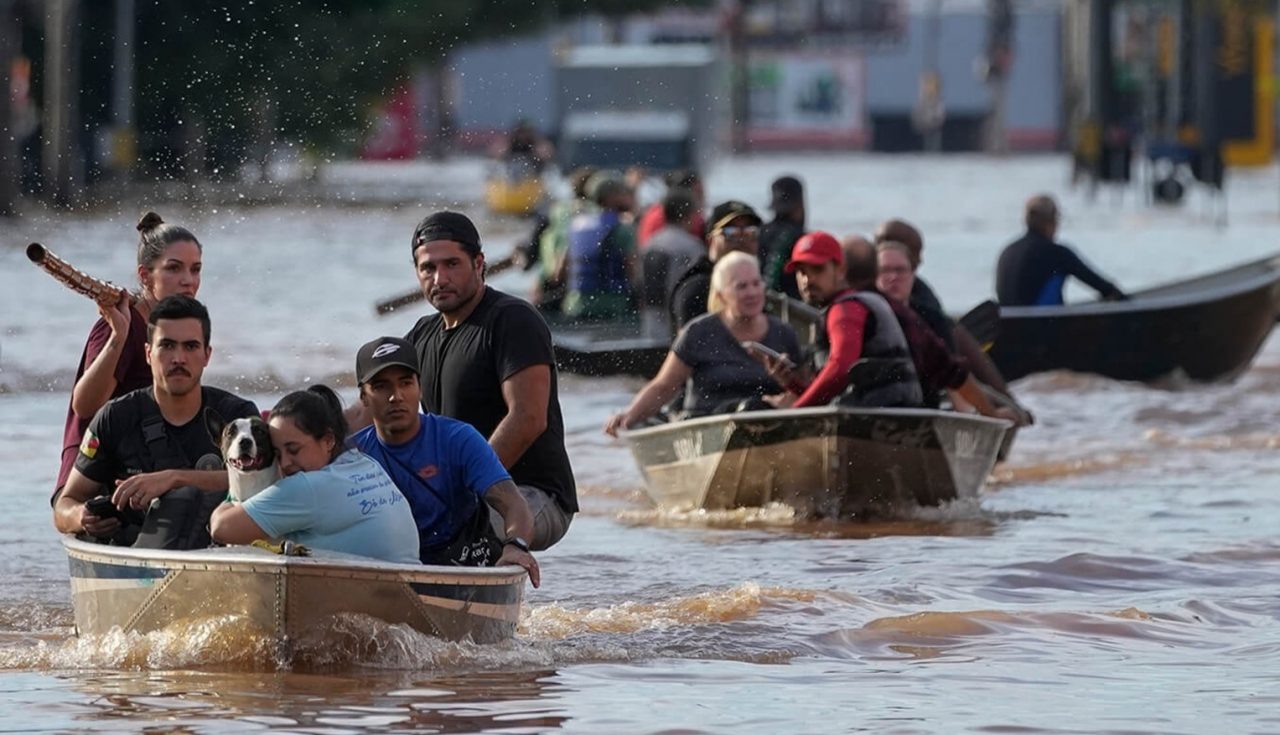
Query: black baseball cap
(726, 212)
(382, 353)
(785, 193)
(447, 225)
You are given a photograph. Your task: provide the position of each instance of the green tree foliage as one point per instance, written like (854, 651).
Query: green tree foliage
(236, 73)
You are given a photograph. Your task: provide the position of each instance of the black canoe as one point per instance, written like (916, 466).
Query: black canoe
(606, 349)
(599, 349)
(1204, 329)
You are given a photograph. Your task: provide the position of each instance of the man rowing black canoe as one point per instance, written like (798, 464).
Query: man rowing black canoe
(1033, 269)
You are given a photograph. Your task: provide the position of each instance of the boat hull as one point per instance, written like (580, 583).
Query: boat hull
(582, 355)
(822, 462)
(139, 590)
(515, 197)
(1206, 329)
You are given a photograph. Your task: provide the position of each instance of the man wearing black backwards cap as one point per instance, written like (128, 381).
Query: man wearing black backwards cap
(486, 359)
(442, 466)
(779, 236)
(733, 226)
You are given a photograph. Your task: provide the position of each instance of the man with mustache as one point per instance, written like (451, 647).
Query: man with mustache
(859, 329)
(154, 444)
(486, 359)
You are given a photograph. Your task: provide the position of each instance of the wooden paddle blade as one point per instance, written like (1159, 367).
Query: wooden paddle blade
(389, 306)
(983, 322)
(500, 265)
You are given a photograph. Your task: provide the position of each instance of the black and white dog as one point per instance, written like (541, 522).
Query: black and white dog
(250, 458)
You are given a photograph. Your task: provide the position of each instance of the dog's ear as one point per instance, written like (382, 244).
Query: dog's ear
(262, 436)
(214, 424)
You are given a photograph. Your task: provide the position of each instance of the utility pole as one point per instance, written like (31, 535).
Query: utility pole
(999, 52)
(740, 88)
(930, 113)
(1102, 99)
(9, 166)
(61, 152)
(123, 137)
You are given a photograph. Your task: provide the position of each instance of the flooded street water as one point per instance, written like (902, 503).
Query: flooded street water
(1120, 574)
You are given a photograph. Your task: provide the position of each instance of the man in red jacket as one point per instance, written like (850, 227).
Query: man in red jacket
(859, 326)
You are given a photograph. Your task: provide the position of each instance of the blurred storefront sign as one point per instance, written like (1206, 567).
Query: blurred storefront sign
(806, 22)
(801, 99)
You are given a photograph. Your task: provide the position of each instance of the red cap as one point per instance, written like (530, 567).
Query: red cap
(815, 248)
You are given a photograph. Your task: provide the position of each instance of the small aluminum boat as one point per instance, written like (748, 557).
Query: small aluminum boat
(823, 462)
(143, 590)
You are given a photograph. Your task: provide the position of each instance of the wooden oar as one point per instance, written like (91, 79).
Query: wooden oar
(388, 306)
(983, 322)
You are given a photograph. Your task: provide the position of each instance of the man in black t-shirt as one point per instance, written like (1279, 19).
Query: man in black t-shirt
(486, 359)
(156, 443)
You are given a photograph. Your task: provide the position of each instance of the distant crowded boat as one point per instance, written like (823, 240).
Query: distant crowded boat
(827, 462)
(513, 189)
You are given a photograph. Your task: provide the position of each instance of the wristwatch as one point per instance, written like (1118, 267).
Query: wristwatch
(517, 542)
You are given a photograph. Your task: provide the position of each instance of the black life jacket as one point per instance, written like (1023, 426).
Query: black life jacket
(885, 375)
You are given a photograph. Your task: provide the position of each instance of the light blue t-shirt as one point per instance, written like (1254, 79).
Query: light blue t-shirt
(350, 505)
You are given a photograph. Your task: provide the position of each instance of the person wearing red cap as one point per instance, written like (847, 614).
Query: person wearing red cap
(860, 330)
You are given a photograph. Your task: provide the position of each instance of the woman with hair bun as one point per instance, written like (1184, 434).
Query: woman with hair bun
(330, 497)
(114, 359)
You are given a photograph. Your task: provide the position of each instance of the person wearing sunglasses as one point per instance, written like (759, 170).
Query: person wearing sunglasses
(734, 227)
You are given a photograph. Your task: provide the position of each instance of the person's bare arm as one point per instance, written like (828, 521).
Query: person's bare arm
(139, 490)
(70, 514)
(95, 386)
(653, 396)
(507, 500)
(230, 524)
(527, 394)
(979, 363)
(510, 504)
(970, 393)
(560, 272)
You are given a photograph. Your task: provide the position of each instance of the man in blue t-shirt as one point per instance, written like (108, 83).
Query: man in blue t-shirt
(445, 469)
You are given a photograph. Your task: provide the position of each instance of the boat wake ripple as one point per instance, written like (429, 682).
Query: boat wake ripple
(555, 622)
(549, 635)
(1085, 572)
(1049, 470)
(1219, 442)
(773, 514)
(975, 634)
